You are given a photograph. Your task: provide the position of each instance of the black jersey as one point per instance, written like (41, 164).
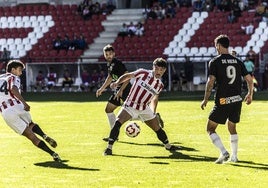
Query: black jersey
(116, 69)
(228, 71)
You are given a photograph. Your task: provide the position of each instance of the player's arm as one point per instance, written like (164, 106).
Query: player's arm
(249, 80)
(106, 83)
(15, 91)
(209, 86)
(121, 89)
(153, 103)
(124, 78)
(153, 106)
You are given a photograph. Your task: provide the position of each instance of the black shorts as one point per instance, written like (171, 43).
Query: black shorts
(220, 113)
(122, 99)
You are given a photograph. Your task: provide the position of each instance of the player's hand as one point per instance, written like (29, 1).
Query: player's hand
(113, 85)
(248, 99)
(204, 104)
(118, 95)
(98, 92)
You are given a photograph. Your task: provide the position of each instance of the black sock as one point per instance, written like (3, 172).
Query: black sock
(114, 132)
(162, 136)
(36, 129)
(42, 145)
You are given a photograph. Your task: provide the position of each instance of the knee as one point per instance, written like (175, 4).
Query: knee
(210, 130)
(107, 111)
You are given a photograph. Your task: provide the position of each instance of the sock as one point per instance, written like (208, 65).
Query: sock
(36, 129)
(42, 145)
(217, 142)
(162, 136)
(111, 118)
(234, 144)
(114, 134)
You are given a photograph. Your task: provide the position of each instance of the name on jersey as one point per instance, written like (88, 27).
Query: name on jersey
(229, 61)
(146, 86)
(229, 100)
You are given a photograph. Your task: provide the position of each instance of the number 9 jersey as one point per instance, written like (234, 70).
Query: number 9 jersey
(228, 71)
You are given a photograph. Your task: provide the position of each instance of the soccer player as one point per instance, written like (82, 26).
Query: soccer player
(15, 110)
(141, 102)
(115, 69)
(226, 72)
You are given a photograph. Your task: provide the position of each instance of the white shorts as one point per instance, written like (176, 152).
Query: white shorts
(143, 115)
(16, 117)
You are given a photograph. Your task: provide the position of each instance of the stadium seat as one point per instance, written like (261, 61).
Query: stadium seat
(168, 50)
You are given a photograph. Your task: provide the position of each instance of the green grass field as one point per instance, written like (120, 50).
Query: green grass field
(79, 128)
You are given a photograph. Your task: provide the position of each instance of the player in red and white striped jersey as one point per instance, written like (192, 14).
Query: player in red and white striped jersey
(141, 102)
(146, 86)
(15, 110)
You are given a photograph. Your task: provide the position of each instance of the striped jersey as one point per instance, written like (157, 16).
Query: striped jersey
(144, 88)
(7, 81)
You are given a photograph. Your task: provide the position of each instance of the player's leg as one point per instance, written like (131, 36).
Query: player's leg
(28, 133)
(123, 116)
(109, 110)
(216, 140)
(233, 140)
(151, 120)
(161, 134)
(218, 115)
(234, 118)
(37, 129)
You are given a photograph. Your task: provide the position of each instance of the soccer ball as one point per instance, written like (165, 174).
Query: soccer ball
(132, 129)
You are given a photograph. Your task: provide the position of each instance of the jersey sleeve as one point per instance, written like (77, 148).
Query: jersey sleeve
(244, 71)
(15, 81)
(121, 67)
(212, 68)
(140, 72)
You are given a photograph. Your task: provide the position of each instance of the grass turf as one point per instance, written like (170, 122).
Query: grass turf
(137, 162)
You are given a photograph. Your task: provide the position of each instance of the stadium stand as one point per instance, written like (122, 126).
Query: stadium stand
(189, 33)
(38, 25)
(27, 30)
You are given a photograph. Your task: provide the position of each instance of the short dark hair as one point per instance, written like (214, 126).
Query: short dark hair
(222, 40)
(160, 62)
(14, 64)
(108, 47)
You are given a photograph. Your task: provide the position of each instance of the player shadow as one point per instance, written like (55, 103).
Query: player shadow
(250, 164)
(159, 145)
(174, 155)
(191, 158)
(63, 165)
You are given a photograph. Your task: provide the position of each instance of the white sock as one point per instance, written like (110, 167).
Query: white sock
(111, 118)
(168, 146)
(234, 144)
(217, 142)
(110, 146)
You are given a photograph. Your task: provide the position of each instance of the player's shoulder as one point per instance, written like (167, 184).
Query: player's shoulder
(117, 61)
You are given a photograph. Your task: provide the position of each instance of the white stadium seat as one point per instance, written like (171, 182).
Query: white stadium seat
(238, 49)
(196, 14)
(168, 50)
(25, 18)
(11, 19)
(178, 38)
(18, 19)
(264, 37)
(204, 14)
(41, 18)
(48, 18)
(173, 44)
(263, 25)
